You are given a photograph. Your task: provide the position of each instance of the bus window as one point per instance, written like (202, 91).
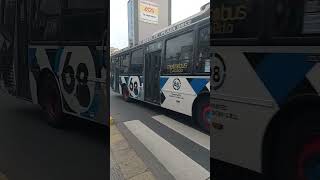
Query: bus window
(45, 20)
(179, 51)
(136, 66)
(50, 7)
(290, 20)
(236, 19)
(203, 63)
(85, 4)
(83, 22)
(125, 59)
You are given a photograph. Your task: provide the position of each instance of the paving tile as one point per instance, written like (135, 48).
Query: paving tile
(120, 145)
(114, 130)
(115, 138)
(132, 165)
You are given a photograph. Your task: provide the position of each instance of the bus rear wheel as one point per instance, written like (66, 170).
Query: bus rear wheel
(297, 155)
(51, 102)
(309, 159)
(204, 114)
(125, 94)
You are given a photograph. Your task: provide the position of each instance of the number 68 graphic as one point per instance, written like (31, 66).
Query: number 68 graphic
(218, 71)
(133, 86)
(76, 82)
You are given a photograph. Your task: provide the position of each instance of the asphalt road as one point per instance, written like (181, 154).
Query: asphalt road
(167, 141)
(30, 149)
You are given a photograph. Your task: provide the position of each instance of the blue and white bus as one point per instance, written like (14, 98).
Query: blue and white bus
(265, 89)
(52, 55)
(170, 69)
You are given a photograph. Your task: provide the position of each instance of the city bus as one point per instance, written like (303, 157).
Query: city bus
(265, 89)
(52, 54)
(170, 69)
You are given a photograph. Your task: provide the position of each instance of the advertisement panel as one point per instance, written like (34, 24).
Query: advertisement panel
(149, 12)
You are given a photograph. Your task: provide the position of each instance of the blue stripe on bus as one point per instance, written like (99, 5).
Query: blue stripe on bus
(198, 84)
(32, 56)
(282, 72)
(163, 81)
(57, 60)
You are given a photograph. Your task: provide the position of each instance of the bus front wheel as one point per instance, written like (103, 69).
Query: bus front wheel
(203, 113)
(297, 155)
(50, 101)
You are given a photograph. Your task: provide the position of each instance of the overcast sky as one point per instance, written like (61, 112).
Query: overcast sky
(181, 9)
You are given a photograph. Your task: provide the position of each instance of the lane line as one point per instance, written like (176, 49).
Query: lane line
(177, 163)
(190, 133)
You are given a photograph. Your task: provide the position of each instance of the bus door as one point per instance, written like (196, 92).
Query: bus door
(21, 51)
(117, 76)
(152, 77)
(14, 73)
(7, 31)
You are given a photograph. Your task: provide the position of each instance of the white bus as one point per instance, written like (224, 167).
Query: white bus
(170, 69)
(52, 54)
(265, 89)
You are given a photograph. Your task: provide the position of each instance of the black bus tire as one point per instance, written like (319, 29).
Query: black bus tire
(297, 152)
(203, 112)
(50, 101)
(125, 94)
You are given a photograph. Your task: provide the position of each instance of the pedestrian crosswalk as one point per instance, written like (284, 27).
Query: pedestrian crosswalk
(190, 133)
(180, 165)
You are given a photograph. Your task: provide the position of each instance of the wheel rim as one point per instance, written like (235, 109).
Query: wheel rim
(206, 116)
(309, 160)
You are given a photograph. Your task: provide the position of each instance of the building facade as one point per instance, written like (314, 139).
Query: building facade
(146, 17)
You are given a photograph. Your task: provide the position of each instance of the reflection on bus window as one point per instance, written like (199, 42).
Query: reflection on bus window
(85, 4)
(81, 11)
(203, 64)
(179, 54)
(125, 64)
(136, 66)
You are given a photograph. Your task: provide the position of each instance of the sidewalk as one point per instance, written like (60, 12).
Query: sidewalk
(3, 177)
(124, 162)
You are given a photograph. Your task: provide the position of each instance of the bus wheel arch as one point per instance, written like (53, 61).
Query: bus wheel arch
(202, 99)
(51, 102)
(284, 117)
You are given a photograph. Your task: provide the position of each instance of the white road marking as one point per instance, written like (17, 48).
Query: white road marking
(177, 163)
(190, 133)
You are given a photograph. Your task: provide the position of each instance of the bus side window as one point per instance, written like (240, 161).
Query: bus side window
(178, 56)
(85, 4)
(286, 18)
(202, 65)
(83, 20)
(125, 63)
(45, 20)
(136, 66)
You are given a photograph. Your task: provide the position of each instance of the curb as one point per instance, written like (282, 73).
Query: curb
(125, 158)
(111, 121)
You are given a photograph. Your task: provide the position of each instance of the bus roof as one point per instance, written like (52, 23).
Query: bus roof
(203, 14)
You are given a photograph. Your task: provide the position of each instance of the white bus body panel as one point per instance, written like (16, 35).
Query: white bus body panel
(251, 105)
